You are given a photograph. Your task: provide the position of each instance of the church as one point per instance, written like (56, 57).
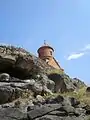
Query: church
(45, 52)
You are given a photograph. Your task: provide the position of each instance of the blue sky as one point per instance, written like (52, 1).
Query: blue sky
(65, 24)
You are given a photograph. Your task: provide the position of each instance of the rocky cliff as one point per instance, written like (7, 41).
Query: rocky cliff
(28, 86)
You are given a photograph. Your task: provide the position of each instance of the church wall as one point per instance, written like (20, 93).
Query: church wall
(53, 63)
(45, 52)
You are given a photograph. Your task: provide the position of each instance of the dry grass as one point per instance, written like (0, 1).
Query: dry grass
(80, 95)
(58, 71)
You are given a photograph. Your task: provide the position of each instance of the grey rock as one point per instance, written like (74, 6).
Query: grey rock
(78, 83)
(8, 105)
(4, 84)
(14, 79)
(39, 112)
(50, 117)
(63, 83)
(30, 81)
(4, 77)
(40, 98)
(12, 114)
(68, 109)
(81, 111)
(66, 102)
(47, 82)
(74, 118)
(32, 107)
(20, 85)
(58, 113)
(8, 94)
(57, 99)
(87, 108)
(74, 102)
(37, 88)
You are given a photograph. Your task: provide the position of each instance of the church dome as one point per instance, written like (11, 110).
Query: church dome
(45, 51)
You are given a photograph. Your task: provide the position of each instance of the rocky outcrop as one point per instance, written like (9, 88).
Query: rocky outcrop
(20, 63)
(78, 83)
(8, 94)
(63, 83)
(12, 88)
(56, 108)
(22, 70)
(24, 83)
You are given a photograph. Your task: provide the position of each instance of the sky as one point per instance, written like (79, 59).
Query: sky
(64, 24)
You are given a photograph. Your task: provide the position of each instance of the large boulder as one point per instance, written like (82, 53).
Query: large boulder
(12, 114)
(63, 83)
(8, 94)
(43, 79)
(4, 77)
(40, 84)
(39, 112)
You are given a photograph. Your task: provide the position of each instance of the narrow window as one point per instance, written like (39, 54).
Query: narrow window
(50, 52)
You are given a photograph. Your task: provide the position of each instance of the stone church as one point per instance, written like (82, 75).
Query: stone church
(45, 52)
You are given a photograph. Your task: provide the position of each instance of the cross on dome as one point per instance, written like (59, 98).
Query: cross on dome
(45, 43)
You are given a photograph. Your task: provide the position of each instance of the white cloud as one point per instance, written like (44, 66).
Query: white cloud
(87, 47)
(75, 56)
(80, 53)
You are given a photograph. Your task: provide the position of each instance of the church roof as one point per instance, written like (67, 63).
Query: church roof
(45, 46)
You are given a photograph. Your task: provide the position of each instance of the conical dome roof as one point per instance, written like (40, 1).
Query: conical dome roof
(45, 46)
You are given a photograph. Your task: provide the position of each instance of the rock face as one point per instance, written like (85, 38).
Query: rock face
(7, 94)
(56, 108)
(13, 88)
(63, 83)
(19, 63)
(20, 69)
(24, 82)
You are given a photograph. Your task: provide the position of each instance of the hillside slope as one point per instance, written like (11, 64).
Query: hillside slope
(31, 89)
